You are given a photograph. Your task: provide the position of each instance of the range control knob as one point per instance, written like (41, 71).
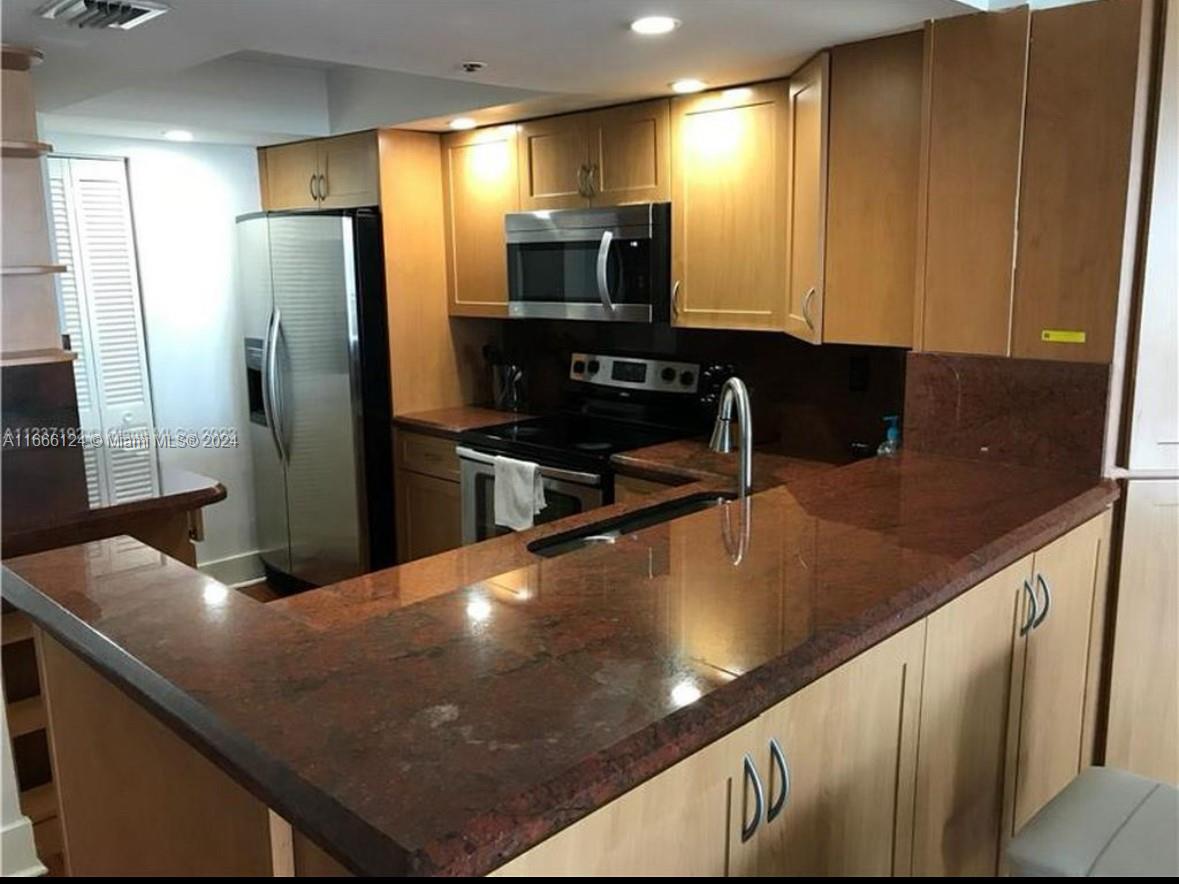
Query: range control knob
(686, 378)
(593, 366)
(578, 366)
(668, 374)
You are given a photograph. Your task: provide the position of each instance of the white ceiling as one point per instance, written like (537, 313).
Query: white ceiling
(259, 71)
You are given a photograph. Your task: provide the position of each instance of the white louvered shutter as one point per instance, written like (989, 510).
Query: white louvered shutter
(76, 321)
(105, 278)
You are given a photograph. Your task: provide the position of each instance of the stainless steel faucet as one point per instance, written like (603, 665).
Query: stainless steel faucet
(722, 437)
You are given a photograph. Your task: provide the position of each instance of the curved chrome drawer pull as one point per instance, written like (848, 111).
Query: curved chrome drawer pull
(1047, 599)
(759, 800)
(778, 760)
(1031, 621)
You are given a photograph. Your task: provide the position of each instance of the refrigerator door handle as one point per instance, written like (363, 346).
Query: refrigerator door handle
(269, 388)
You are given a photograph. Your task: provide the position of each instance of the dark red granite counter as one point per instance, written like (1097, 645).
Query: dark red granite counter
(692, 460)
(445, 715)
(449, 422)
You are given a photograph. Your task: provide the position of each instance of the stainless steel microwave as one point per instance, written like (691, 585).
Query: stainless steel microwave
(609, 265)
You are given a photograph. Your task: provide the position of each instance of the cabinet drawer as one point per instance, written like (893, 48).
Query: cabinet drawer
(430, 455)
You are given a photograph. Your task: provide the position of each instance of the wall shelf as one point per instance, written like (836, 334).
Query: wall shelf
(15, 627)
(36, 357)
(26, 716)
(33, 269)
(25, 148)
(39, 803)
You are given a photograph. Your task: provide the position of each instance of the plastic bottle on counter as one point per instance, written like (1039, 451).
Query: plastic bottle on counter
(892, 436)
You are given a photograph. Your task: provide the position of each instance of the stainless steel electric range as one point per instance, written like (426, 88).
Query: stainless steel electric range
(612, 404)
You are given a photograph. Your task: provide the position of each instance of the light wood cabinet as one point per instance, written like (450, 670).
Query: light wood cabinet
(1028, 154)
(807, 206)
(325, 173)
(480, 182)
(600, 158)
(848, 747)
(730, 184)
(873, 175)
(1081, 84)
(963, 736)
(426, 495)
(1143, 731)
(1048, 705)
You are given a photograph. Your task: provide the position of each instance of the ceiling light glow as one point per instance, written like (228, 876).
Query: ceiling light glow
(683, 87)
(462, 123)
(654, 25)
(178, 135)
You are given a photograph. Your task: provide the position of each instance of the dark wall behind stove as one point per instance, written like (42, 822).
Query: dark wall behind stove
(811, 401)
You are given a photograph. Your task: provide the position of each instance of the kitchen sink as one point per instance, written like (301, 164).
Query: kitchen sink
(609, 530)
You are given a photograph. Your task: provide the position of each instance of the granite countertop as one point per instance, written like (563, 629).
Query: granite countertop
(179, 491)
(443, 716)
(692, 460)
(449, 422)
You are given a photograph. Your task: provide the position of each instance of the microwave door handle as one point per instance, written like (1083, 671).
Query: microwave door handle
(603, 261)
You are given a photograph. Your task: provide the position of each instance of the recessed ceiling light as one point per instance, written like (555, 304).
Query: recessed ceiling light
(654, 25)
(683, 87)
(462, 123)
(178, 135)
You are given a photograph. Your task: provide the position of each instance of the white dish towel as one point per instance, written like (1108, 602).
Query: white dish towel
(519, 493)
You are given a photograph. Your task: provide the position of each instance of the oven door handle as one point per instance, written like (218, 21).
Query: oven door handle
(603, 262)
(547, 472)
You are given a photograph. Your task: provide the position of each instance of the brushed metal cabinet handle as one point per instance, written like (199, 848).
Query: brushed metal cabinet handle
(778, 760)
(323, 187)
(806, 308)
(1032, 606)
(759, 800)
(311, 187)
(590, 177)
(675, 299)
(582, 187)
(1043, 584)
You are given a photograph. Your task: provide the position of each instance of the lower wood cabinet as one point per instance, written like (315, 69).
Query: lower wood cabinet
(426, 495)
(921, 756)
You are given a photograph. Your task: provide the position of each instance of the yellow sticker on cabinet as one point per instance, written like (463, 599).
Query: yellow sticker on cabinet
(1061, 336)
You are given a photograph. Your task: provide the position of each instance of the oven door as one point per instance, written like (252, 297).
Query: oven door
(567, 493)
(608, 265)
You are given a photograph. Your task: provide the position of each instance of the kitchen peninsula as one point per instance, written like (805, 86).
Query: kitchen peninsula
(486, 708)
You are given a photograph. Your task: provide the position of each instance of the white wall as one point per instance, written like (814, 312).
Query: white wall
(184, 199)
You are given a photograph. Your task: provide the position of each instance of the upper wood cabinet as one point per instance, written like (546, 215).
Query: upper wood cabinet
(601, 158)
(807, 207)
(326, 173)
(730, 189)
(480, 185)
(873, 176)
(1027, 153)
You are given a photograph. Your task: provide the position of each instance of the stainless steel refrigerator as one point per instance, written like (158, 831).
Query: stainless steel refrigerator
(317, 368)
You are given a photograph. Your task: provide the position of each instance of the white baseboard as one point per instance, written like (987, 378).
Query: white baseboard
(18, 856)
(232, 570)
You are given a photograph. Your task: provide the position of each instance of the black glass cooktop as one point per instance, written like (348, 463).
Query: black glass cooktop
(569, 439)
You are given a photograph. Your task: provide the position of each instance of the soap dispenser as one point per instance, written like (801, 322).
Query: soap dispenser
(892, 436)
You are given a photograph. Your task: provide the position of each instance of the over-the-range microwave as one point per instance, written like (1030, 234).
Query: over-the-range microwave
(610, 264)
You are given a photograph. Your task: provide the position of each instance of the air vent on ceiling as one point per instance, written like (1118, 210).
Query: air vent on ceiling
(121, 14)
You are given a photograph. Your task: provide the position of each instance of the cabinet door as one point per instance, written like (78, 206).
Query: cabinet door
(290, 176)
(480, 185)
(872, 183)
(629, 161)
(1047, 754)
(1143, 732)
(849, 743)
(676, 823)
(963, 736)
(554, 163)
(808, 200)
(729, 184)
(349, 169)
(975, 72)
(1081, 85)
(429, 515)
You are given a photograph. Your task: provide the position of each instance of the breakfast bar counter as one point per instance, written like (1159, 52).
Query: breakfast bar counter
(447, 715)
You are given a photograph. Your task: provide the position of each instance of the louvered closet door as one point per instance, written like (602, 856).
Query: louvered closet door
(106, 280)
(76, 321)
